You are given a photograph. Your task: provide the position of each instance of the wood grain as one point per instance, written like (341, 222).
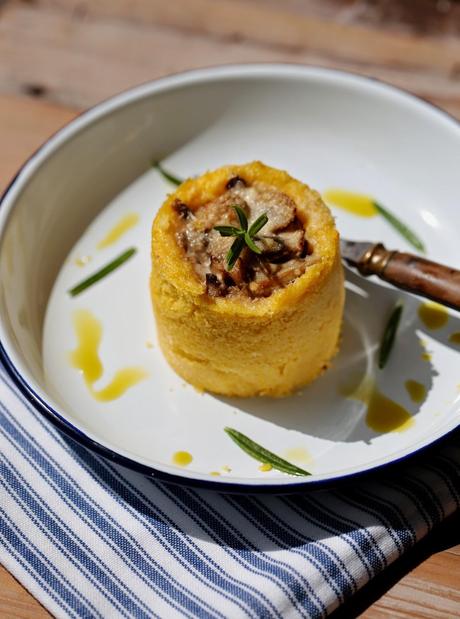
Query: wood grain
(432, 590)
(24, 125)
(78, 53)
(424, 582)
(16, 602)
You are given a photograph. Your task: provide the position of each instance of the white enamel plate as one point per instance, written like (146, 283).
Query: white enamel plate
(90, 193)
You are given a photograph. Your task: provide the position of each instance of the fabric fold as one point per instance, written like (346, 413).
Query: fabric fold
(89, 538)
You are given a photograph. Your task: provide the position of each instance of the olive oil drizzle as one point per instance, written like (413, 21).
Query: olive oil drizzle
(383, 414)
(127, 222)
(298, 455)
(416, 391)
(433, 315)
(366, 206)
(355, 203)
(182, 458)
(85, 357)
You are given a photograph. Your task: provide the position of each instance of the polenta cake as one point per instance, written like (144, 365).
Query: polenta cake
(247, 283)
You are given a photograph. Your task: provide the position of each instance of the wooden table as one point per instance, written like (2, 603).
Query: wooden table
(60, 56)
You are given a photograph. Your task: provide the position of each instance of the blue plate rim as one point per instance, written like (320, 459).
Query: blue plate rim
(67, 428)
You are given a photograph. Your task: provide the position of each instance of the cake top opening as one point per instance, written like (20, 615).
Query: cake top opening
(283, 252)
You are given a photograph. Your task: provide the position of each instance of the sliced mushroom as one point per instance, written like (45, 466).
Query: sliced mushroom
(182, 209)
(279, 208)
(283, 246)
(234, 181)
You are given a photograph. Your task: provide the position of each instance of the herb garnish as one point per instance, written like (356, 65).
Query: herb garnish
(401, 227)
(95, 277)
(261, 454)
(243, 235)
(389, 335)
(167, 175)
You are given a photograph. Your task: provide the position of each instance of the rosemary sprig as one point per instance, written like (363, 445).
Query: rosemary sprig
(401, 227)
(389, 335)
(261, 454)
(244, 236)
(95, 277)
(166, 175)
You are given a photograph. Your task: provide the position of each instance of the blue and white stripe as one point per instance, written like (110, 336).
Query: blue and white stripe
(91, 539)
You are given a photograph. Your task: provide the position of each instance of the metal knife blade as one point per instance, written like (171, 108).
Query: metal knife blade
(353, 251)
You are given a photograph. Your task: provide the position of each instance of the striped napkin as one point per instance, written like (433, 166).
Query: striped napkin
(90, 539)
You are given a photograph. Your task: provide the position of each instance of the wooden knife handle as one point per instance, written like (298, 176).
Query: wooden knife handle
(414, 274)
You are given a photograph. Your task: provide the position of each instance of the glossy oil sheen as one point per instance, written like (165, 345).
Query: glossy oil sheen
(356, 203)
(454, 338)
(416, 390)
(386, 415)
(433, 315)
(383, 414)
(126, 222)
(182, 458)
(297, 455)
(82, 261)
(85, 357)
(265, 467)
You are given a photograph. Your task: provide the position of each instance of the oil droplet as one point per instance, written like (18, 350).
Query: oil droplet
(356, 203)
(182, 458)
(149, 344)
(265, 467)
(425, 356)
(85, 358)
(215, 473)
(82, 261)
(298, 455)
(433, 315)
(416, 391)
(383, 414)
(455, 338)
(121, 382)
(226, 469)
(126, 223)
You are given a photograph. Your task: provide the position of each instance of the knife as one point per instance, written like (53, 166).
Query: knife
(406, 271)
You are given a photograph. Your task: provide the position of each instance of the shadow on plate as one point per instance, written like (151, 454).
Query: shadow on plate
(269, 522)
(326, 409)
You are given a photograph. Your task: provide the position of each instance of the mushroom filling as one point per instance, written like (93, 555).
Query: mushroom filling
(285, 253)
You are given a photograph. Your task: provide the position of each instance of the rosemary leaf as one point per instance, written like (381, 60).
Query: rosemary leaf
(95, 277)
(401, 227)
(244, 236)
(389, 335)
(261, 454)
(228, 231)
(167, 175)
(242, 217)
(258, 224)
(250, 243)
(234, 252)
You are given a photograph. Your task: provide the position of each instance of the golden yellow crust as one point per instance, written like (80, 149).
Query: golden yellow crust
(242, 346)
